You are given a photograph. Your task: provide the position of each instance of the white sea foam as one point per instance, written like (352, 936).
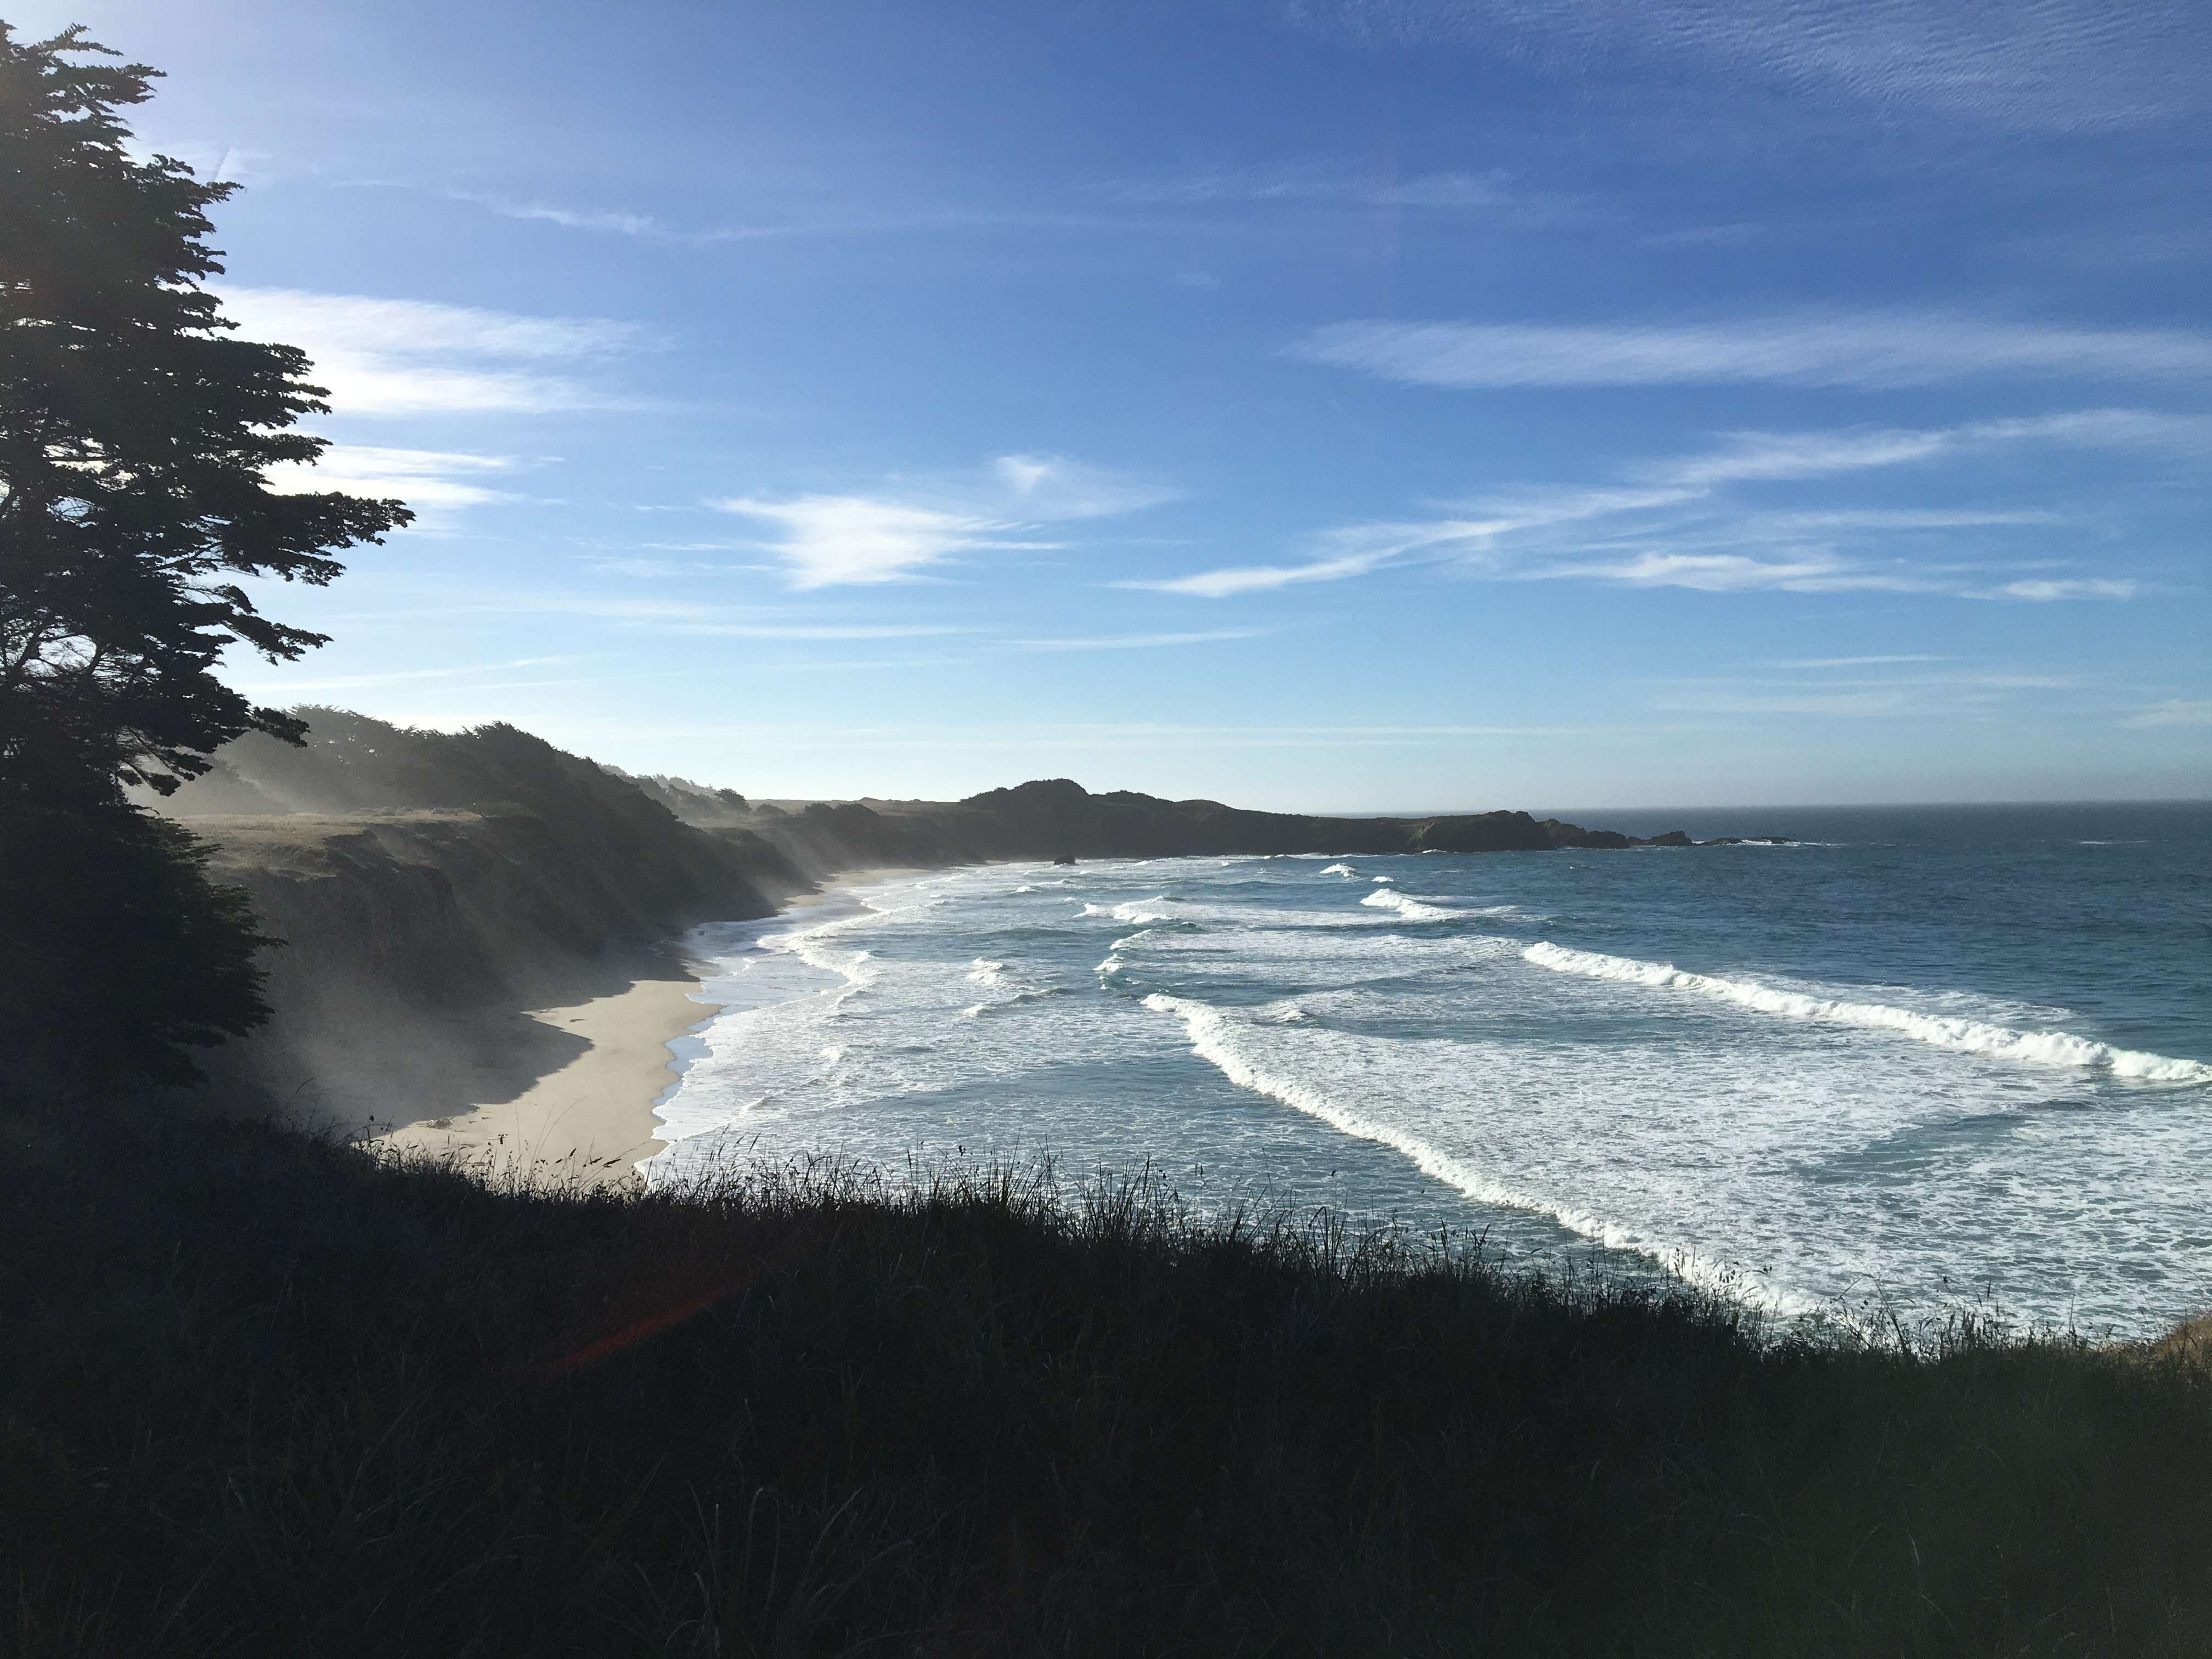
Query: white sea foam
(1139, 911)
(1222, 1042)
(1007, 1005)
(1339, 870)
(1938, 1030)
(1383, 881)
(1389, 898)
(1835, 1161)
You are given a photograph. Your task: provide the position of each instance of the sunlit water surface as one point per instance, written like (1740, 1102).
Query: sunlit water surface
(1928, 1059)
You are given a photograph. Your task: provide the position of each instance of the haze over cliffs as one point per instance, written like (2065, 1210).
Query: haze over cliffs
(429, 886)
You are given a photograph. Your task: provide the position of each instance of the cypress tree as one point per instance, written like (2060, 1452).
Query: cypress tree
(136, 435)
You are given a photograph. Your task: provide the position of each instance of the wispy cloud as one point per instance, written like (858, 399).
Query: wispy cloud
(2174, 711)
(829, 541)
(1967, 693)
(1348, 551)
(437, 484)
(1854, 662)
(810, 631)
(2052, 66)
(1674, 525)
(215, 162)
(1492, 192)
(1136, 641)
(621, 223)
(847, 540)
(2043, 591)
(1901, 519)
(1834, 705)
(1263, 578)
(398, 357)
(856, 220)
(1736, 573)
(1869, 350)
(1052, 487)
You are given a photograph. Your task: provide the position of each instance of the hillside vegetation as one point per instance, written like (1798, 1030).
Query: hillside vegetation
(268, 1397)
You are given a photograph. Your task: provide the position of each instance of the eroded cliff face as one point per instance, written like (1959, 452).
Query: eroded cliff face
(414, 942)
(431, 888)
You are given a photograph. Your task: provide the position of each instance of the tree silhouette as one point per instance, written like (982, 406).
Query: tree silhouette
(134, 432)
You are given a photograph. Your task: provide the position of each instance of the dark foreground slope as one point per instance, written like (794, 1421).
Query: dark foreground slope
(264, 1397)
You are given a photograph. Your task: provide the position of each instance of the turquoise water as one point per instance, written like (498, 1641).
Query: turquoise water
(1930, 1059)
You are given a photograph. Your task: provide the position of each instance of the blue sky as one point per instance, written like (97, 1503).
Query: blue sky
(1303, 403)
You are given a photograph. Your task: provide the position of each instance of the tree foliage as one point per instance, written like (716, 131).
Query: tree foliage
(135, 431)
(118, 955)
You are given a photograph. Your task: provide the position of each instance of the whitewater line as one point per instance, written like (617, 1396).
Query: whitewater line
(1389, 898)
(1937, 1031)
(1210, 1033)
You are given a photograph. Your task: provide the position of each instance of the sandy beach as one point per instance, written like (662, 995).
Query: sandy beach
(592, 1118)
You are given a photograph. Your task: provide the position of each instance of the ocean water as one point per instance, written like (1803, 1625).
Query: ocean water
(1929, 1060)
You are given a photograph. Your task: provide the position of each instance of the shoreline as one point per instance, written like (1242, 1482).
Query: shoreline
(593, 1119)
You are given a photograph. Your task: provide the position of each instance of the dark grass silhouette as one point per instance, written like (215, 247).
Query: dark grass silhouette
(264, 1396)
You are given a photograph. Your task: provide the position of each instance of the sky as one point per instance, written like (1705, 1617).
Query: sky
(1324, 404)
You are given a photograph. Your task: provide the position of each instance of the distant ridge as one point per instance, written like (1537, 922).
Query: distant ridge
(438, 884)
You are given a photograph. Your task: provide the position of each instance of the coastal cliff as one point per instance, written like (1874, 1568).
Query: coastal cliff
(429, 888)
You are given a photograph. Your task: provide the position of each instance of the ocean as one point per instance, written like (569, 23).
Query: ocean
(1926, 1060)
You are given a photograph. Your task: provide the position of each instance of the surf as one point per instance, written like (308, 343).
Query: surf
(1991, 1042)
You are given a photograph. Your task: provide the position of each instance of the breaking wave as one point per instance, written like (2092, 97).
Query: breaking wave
(1389, 898)
(1140, 911)
(1937, 1031)
(1213, 1037)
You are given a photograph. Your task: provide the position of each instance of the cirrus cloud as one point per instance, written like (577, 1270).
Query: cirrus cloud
(851, 540)
(385, 357)
(1867, 350)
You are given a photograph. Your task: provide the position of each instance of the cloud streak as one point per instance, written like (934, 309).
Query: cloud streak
(1493, 192)
(1673, 525)
(855, 540)
(383, 357)
(2174, 711)
(1867, 351)
(437, 484)
(1137, 641)
(1974, 693)
(2049, 65)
